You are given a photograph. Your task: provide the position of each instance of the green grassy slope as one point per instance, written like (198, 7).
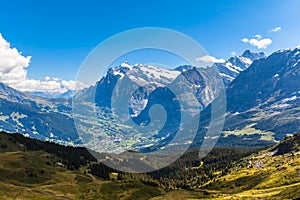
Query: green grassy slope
(269, 174)
(36, 174)
(29, 170)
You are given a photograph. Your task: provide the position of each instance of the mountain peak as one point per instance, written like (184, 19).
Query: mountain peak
(252, 55)
(246, 53)
(126, 64)
(183, 68)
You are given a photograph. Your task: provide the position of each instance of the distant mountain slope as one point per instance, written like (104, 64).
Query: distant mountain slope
(267, 96)
(262, 102)
(36, 117)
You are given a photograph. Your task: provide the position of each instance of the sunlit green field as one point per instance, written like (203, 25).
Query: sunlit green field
(40, 175)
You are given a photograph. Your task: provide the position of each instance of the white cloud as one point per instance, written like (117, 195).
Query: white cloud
(261, 44)
(245, 40)
(258, 42)
(276, 29)
(49, 85)
(210, 59)
(258, 36)
(12, 63)
(233, 53)
(13, 71)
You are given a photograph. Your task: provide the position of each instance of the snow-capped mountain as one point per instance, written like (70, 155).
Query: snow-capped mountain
(263, 102)
(144, 74)
(148, 76)
(136, 88)
(151, 77)
(230, 69)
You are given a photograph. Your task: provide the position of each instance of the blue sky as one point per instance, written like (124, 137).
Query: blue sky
(59, 34)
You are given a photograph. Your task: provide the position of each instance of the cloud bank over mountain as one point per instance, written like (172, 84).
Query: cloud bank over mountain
(13, 71)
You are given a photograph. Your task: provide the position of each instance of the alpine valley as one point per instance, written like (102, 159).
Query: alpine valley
(263, 103)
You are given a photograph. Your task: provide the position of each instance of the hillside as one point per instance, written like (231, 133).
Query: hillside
(31, 169)
(269, 174)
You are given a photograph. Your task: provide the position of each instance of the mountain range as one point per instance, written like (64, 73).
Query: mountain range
(66, 95)
(262, 102)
